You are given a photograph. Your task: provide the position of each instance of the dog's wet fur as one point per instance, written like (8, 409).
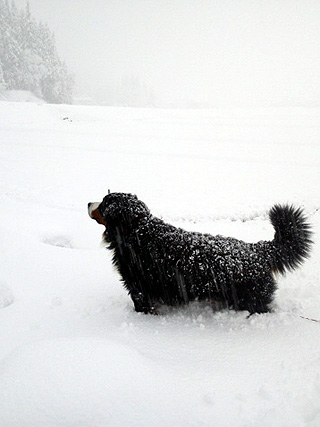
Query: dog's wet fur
(164, 265)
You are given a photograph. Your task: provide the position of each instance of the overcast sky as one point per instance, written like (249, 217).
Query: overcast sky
(208, 51)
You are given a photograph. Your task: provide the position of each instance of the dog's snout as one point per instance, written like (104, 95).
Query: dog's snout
(94, 213)
(92, 207)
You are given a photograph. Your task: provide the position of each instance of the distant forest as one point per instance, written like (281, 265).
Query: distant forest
(28, 57)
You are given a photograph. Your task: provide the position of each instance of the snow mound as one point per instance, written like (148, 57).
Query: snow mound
(6, 295)
(59, 241)
(78, 382)
(20, 96)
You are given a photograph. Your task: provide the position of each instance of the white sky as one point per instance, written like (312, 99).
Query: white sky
(215, 51)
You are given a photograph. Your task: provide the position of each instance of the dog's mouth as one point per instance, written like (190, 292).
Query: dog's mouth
(94, 213)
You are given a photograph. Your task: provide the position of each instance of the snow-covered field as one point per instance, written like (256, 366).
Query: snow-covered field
(72, 350)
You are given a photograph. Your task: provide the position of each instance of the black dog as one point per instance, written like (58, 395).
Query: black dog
(161, 264)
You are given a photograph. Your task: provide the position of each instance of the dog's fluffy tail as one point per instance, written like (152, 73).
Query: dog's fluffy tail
(292, 241)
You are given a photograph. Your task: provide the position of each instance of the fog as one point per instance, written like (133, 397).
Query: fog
(189, 52)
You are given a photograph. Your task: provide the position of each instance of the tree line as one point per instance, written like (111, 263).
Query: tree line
(28, 56)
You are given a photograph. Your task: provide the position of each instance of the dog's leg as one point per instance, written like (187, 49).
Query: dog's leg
(141, 304)
(258, 296)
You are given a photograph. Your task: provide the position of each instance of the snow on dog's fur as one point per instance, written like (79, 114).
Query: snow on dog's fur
(162, 264)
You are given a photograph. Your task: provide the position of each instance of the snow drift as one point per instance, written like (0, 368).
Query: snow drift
(73, 351)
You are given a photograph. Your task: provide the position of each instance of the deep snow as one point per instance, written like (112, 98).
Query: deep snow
(73, 352)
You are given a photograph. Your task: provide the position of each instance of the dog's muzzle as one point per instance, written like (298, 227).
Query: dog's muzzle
(94, 213)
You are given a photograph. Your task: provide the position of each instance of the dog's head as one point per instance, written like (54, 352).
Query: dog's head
(122, 210)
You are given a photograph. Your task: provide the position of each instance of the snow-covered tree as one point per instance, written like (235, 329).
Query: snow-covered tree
(2, 82)
(29, 57)
(9, 49)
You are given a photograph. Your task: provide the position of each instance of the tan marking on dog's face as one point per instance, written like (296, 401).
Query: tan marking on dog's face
(95, 214)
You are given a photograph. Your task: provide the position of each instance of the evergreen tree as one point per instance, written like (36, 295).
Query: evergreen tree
(9, 50)
(29, 58)
(2, 82)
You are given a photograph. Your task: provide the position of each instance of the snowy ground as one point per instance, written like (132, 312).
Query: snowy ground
(72, 350)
